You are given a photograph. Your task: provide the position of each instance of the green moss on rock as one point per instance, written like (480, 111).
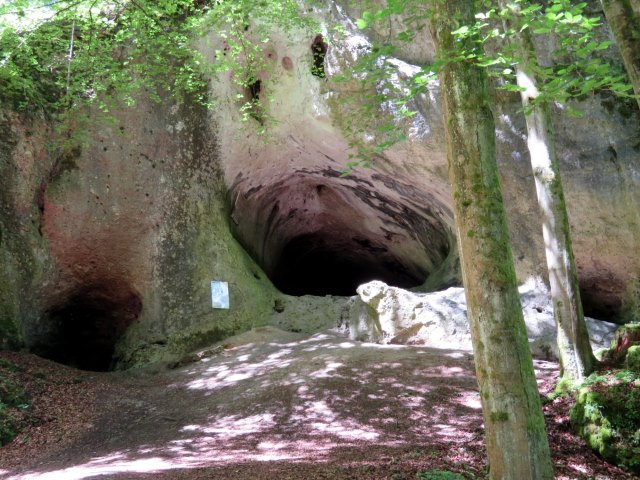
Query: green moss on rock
(607, 416)
(626, 337)
(633, 359)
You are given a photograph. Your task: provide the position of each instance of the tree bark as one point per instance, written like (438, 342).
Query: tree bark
(624, 21)
(576, 357)
(517, 445)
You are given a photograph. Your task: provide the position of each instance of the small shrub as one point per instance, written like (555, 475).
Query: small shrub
(8, 365)
(11, 394)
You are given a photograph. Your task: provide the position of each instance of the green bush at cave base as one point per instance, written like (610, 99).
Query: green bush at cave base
(607, 416)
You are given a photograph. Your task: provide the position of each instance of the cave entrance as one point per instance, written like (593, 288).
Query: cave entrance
(325, 264)
(319, 234)
(82, 331)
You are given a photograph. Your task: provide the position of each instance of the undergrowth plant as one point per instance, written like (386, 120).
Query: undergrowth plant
(439, 475)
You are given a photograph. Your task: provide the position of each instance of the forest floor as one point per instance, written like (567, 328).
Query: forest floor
(273, 405)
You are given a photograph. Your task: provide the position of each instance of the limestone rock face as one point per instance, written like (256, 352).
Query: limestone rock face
(24, 258)
(122, 237)
(385, 314)
(314, 231)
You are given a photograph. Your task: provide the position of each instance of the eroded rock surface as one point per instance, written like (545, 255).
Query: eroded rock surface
(390, 315)
(119, 237)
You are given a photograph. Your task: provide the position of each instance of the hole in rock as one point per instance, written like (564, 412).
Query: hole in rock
(317, 264)
(253, 106)
(82, 331)
(253, 89)
(318, 50)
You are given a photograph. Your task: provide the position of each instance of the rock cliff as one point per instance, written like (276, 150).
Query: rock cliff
(108, 245)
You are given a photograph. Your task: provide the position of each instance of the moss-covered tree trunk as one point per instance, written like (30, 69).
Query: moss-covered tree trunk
(576, 356)
(516, 441)
(624, 21)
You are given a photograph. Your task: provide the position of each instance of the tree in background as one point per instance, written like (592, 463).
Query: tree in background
(500, 39)
(516, 440)
(576, 357)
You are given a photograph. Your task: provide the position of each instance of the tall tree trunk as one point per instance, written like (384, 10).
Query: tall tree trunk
(516, 441)
(576, 356)
(624, 21)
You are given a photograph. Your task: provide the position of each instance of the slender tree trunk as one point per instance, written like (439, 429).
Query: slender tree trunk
(516, 441)
(576, 356)
(624, 21)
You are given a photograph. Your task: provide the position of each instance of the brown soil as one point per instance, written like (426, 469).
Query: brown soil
(273, 405)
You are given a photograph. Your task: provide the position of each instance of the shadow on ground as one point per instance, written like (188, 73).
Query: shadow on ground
(283, 406)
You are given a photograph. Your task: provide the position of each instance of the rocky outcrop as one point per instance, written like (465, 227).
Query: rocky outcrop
(108, 245)
(24, 257)
(390, 315)
(302, 221)
(122, 235)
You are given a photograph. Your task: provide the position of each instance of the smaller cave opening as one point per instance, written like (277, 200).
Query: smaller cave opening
(318, 50)
(253, 105)
(319, 264)
(82, 330)
(253, 90)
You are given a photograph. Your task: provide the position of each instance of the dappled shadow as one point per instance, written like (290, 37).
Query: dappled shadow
(305, 401)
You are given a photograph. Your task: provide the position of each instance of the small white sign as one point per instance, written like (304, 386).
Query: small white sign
(219, 294)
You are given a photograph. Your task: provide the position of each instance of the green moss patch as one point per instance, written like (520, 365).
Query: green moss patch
(633, 359)
(439, 475)
(607, 416)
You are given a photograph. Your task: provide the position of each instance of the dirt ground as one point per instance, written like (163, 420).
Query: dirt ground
(272, 405)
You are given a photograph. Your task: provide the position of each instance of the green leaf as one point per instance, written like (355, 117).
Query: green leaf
(461, 31)
(361, 23)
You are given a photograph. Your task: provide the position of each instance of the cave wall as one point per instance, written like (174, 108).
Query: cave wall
(308, 145)
(112, 243)
(24, 254)
(599, 155)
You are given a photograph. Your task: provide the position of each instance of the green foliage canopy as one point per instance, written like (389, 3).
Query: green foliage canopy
(577, 64)
(64, 53)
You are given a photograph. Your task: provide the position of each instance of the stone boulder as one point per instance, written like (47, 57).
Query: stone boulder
(385, 314)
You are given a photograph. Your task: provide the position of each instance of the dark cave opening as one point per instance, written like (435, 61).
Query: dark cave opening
(317, 234)
(254, 89)
(253, 105)
(319, 50)
(317, 264)
(82, 331)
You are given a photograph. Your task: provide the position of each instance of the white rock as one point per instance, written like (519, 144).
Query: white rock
(385, 314)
